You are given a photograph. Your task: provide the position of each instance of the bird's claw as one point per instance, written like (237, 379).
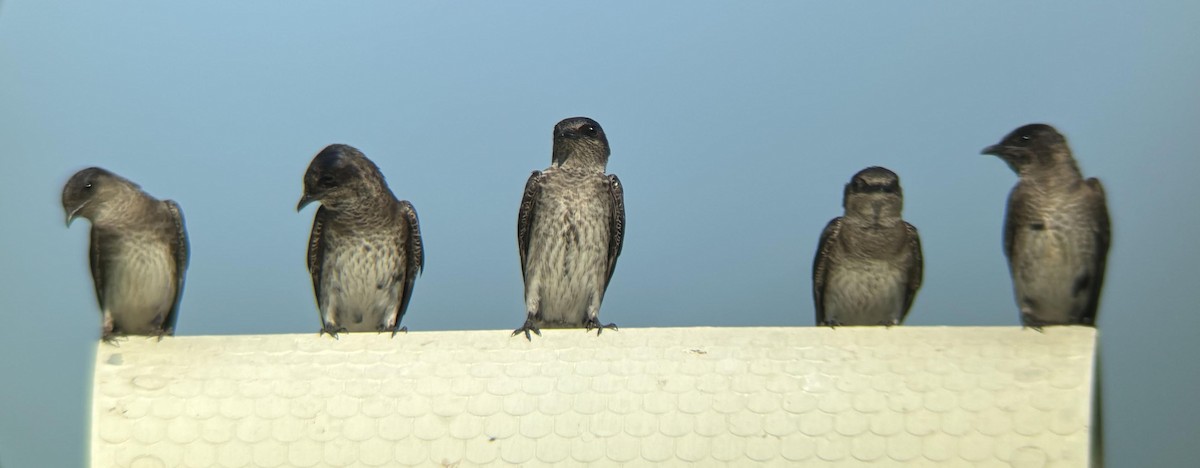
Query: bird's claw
(161, 332)
(1027, 321)
(528, 327)
(403, 329)
(332, 330)
(111, 338)
(594, 323)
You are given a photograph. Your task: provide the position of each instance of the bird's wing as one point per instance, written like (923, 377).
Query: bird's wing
(98, 259)
(525, 216)
(179, 252)
(1103, 236)
(316, 253)
(414, 255)
(616, 225)
(821, 266)
(916, 272)
(1012, 221)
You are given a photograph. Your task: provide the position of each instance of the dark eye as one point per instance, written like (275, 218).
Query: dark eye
(889, 189)
(589, 130)
(327, 181)
(87, 187)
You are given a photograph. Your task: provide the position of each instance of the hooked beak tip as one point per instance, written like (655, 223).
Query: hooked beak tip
(72, 215)
(303, 203)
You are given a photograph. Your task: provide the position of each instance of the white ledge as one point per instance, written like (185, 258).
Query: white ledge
(928, 396)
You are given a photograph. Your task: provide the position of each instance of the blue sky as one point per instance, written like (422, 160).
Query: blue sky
(733, 127)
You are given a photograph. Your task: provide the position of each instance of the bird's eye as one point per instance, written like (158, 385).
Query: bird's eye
(1026, 137)
(87, 186)
(589, 130)
(327, 181)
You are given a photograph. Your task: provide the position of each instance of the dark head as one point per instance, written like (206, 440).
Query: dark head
(874, 193)
(339, 172)
(89, 190)
(580, 141)
(1033, 147)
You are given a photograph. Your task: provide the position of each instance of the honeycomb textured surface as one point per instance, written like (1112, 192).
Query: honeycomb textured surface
(917, 396)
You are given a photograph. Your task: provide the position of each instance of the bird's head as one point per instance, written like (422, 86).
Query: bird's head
(338, 172)
(1031, 147)
(580, 141)
(874, 194)
(86, 192)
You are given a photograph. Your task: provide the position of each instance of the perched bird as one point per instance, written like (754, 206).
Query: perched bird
(1056, 230)
(365, 251)
(569, 231)
(138, 252)
(868, 265)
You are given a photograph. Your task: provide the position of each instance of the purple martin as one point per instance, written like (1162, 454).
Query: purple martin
(569, 231)
(868, 265)
(138, 252)
(365, 251)
(1056, 229)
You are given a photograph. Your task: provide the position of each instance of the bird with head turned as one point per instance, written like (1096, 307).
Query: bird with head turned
(1056, 229)
(365, 250)
(138, 252)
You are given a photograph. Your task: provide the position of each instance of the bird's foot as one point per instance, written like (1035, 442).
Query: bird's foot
(110, 338)
(528, 327)
(159, 333)
(830, 323)
(332, 329)
(1029, 321)
(403, 329)
(593, 322)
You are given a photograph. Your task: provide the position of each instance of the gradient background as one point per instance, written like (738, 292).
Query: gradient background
(734, 126)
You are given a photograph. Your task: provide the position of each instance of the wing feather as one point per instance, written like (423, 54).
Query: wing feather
(916, 273)
(316, 255)
(821, 266)
(616, 227)
(180, 250)
(526, 215)
(98, 261)
(414, 255)
(1103, 236)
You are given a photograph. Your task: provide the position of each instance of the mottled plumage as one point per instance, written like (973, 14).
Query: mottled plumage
(868, 264)
(569, 231)
(365, 251)
(138, 252)
(1056, 229)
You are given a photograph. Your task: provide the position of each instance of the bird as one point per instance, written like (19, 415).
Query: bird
(868, 266)
(138, 252)
(365, 250)
(570, 230)
(1056, 229)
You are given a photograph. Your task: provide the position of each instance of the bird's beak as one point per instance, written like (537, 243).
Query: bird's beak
(73, 214)
(304, 201)
(994, 150)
